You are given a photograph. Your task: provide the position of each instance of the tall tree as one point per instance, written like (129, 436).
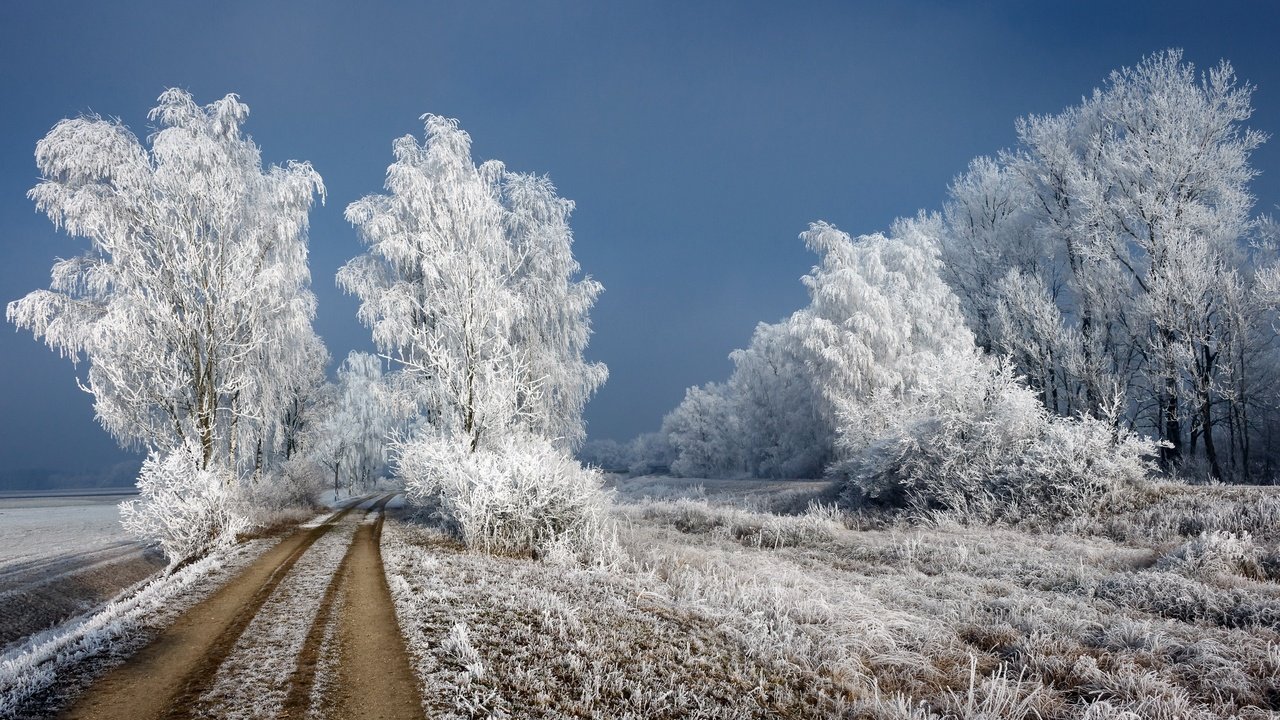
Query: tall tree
(880, 318)
(1137, 202)
(191, 305)
(469, 282)
(782, 431)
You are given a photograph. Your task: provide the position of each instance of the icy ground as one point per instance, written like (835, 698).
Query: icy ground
(35, 528)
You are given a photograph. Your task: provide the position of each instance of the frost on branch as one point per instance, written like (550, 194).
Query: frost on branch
(925, 420)
(1113, 247)
(191, 304)
(982, 447)
(188, 509)
(470, 283)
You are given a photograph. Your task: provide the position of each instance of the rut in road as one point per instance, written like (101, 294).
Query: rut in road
(186, 670)
(354, 662)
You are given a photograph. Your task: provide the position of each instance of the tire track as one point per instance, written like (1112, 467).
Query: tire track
(303, 681)
(46, 602)
(166, 677)
(367, 649)
(76, 560)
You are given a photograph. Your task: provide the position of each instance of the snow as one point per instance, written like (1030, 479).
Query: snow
(65, 658)
(40, 529)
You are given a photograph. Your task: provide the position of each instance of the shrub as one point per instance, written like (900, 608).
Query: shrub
(187, 509)
(520, 496)
(985, 448)
(289, 494)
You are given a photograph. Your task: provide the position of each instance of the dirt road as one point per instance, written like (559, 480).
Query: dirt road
(308, 630)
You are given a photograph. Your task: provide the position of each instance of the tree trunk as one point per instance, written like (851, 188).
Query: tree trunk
(1171, 455)
(1206, 421)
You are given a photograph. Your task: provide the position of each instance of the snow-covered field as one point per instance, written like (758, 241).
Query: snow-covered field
(35, 527)
(62, 555)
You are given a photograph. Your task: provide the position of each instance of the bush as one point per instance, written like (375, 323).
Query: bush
(520, 497)
(187, 509)
(984, 448)
(289, 494)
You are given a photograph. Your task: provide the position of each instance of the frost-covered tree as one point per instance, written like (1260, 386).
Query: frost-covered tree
(1124, 221)
(367, 413)
(469, 282)
(782, 432)
(191, 305)
(704, 431)
(184, 506)
(988, 233)
(879, 316)
(555, 324)
(305, 399)
(650, 453)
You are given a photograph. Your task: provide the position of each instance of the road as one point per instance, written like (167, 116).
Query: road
(307, 631)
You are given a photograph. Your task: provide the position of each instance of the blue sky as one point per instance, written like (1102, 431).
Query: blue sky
(698, 140)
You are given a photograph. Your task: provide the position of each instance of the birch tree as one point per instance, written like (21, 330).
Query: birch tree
(469, 283)
(1138, 202)
(879, 316)
(191, 306)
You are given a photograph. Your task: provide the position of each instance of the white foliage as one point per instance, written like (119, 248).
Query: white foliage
(291, 491)
(880, 317)
(987, 234)
(704, 431)
(191, 304)
(1108, 250)
(519, 496)
(188, 509)
(469, 283)
(782, 430)
(984, 448)
(651, 453)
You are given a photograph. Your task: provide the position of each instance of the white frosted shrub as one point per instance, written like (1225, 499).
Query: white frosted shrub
(983, 447)
(187, 509)
(519, 496)
(292, 489)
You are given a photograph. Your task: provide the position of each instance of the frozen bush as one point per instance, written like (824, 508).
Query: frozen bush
(188, 509)
(519, 496)
(982, 446)
(651, 453)
(288, 494)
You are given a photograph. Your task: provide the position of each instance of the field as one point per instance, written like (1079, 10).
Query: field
(720, 599)
(718, 607)
(62, 554)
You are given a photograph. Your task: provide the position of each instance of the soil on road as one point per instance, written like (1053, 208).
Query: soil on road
(353, 639)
